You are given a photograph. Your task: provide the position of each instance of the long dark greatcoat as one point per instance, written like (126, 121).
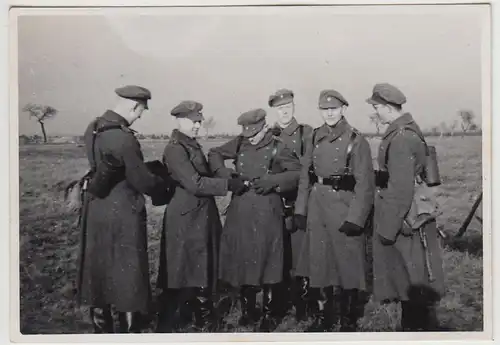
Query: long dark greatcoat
(191, 225)
(399, 268)
(329, 257)
(291, 137)
(252, 237)
(115, 262)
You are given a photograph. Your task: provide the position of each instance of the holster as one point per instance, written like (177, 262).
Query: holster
(105, 177)
(381, 178)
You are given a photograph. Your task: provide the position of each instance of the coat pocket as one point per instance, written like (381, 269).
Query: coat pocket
(193, 206)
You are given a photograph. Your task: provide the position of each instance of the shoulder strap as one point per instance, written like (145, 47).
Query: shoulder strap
(273, 154)
(301, 133)
(386, 158)
(353, 136)
(96, 131)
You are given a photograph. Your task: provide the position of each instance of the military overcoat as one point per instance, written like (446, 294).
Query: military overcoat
(399, 265)
(329, 257)
(115, 261)
(294, 137)
(191, 225)
(252, 236)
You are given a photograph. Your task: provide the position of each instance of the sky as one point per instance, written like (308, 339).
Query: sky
(232, 59)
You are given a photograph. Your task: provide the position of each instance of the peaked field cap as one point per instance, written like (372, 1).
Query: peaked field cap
(188, 109)
(385, 93)
(252, 121)
(281, 97)
(136, 93)
(331, 99)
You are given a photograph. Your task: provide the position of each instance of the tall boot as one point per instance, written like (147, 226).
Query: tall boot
(324, 316)
(129, 322)
(409, 316)
(301, 298)
(350, 311)
(248, 299)
(169, 305)
(102, 320)
(271, 317)
(204, 313)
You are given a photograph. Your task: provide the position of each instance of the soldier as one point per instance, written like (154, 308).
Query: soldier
(293, 136)
(191, 226)
(114, 268)
(251, 252)
(336, 193)
(399, 264)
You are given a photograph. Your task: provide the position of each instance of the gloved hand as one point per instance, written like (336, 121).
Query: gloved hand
(406, 231)
(236, 185)
(263, 186)
(350, 229)
(385, 241)
(300, 221)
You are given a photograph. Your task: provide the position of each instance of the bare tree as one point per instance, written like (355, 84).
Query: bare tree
(375, 119)
(41, 113)
(467, 118)
(208, 124)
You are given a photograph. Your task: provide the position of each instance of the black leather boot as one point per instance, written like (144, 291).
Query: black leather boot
(248, 299)
(409, 316)
(168, 305)
(350, 310)
(204, 312)
(130, 322)
(301, 298)
(324, 317)
(271, 317)
(102, 320)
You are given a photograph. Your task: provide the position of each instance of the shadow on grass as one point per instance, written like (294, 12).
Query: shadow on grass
(471, 244)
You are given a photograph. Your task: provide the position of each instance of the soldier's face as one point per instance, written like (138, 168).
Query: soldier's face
(285, 113)
(136, 112)
(188, 127)
(384, 112)
(332, 115)
(258, 137)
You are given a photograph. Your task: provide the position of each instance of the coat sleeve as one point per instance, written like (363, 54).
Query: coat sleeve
(136, 171)
(364, 189)
(218, 155)
(398, 196)
(287, 179)
(304, 184)
(182, 171)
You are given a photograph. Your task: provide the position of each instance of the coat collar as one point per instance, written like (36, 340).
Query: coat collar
(291, 128)
(184, 139)
(332, 133)
(268, 138)
(111, 116)
(401, 121)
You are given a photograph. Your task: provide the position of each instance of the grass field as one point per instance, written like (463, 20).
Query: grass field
(49, 242)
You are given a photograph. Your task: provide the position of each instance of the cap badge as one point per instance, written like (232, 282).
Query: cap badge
(281, 96)
(328, 99)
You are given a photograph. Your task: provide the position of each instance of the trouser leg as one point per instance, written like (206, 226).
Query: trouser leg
(204, 312)
(326, 313)
(169, 304)
(351, 310)
(102, 319)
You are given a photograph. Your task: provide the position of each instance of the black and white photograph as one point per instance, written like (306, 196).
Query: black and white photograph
(243, 170)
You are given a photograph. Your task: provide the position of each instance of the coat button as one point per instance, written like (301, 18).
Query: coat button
(340, 139)
(317, 145)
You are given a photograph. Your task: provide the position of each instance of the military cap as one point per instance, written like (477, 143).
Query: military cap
(135, 93)
(252, 122)
(384, 93)
(281, 97)
(331, 99)
(188, 109)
